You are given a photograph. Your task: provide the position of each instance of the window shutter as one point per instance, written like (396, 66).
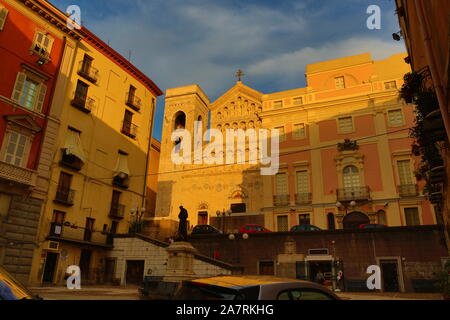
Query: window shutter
(41, 97)
(17, 92)
(3, 15)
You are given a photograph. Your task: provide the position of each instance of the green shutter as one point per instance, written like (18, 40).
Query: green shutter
(3, 15)
(18, 87)
(41, 97)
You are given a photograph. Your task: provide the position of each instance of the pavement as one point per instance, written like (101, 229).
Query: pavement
(131, 293)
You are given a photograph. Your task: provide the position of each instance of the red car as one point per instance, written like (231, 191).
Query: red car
(253, 228)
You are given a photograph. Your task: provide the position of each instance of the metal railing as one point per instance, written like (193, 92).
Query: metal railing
(65, 196)
(408, 190)
(133, 101)
(72, 233)
(117, 211)
(85, 104)
(303, 198)
(354, 193)
(281, 200)
(129, 129)
(88, 72)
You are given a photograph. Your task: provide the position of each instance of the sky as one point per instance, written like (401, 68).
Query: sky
(183, 42)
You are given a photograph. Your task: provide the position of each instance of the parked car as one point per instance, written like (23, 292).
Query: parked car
(11, 289)
(253, 228)
(205, 229)
(305, 227)
(372, 225)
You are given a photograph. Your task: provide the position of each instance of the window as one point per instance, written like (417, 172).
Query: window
(3, 15)
(282, 223)
(381, 217)
(302, 181)
(63, 193)
(304, 219)
(81, 92)
(351, 177)
(395, 117)
(390, 85)
(5, 201)
(404, 172)
(339, 82)
(128, 128)
(267, 268)
(131, 93)
(331, 221)
(299, 131)
(303, 294)
(281, 133)
(87, 64)
(28, 92)
(298, 101)
(345, 124)
(281, 184)
(42, 44)
(278, 104)
(412, 216)
(16, 151)
(89, 227)
(238, 208)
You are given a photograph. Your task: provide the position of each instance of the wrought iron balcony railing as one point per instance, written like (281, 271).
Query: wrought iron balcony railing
(281, 200)
(63, 232)
(85, 104)
(408, 190)
(65, 196)
(117, 211)
(353, 194)
(129, 129)
(303, 198)
(17, 174)
(88, 72)
(133, 102)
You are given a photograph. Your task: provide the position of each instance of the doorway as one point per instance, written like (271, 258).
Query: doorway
(110, 266)
(135, 272)
(50, 267)
(354, 220)
(202, 218)
(85, 263)
(323, 267)
(390, 275)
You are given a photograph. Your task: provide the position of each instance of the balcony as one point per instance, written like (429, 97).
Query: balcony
(78, 235)
(121, 181)
(353, 194)
(281, 200)
(88, 72)
(17, 174)
(129, 129)
(117, 211)
(303, 198)
(65, 196)
(70, 161)
(408, 190)
(85, 104)
(133, 102)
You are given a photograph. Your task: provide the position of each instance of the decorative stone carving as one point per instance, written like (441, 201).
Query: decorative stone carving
(348, 145)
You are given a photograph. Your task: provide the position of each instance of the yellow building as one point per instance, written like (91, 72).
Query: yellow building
(99, 170)
(345, 155)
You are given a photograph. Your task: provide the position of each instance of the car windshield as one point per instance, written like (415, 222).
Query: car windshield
(198, 291)
(11, 289)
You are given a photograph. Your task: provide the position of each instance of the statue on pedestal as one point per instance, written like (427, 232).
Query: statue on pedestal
(182, 226)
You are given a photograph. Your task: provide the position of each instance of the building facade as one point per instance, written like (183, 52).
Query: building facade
(32, 44)
(425, 30)
(345, 153)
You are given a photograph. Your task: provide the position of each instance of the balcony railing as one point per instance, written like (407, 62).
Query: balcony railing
(117, 211)
(129, 129)
(69, 160)
(88, 72)
(354, 193)
(408, 190)
(85, 104)
(61, 232)
(281, 200)
(303, 198)
(65, 196)
(133, 102)
(17, 174)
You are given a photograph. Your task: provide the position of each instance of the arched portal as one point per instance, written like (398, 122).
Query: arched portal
(354, 220)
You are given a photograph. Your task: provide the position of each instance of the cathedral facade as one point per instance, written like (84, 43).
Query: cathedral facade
(344, 159)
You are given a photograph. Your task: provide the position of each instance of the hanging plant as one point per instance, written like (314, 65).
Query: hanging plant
(412, 86)
(415, 149)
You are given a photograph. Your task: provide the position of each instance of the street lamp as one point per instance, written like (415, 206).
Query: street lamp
(137, 215)
(222, 214)
(232, 237)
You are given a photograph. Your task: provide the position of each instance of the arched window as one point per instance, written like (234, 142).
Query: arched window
(381, 217)
(331, 222)
(351, 177)
(179, 123)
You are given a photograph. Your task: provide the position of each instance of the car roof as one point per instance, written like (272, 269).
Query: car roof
(17, 289)
(244, 281)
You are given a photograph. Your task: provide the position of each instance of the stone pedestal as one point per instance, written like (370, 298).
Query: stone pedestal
(180, 264)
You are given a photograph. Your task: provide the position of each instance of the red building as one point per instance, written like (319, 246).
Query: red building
(32, 41)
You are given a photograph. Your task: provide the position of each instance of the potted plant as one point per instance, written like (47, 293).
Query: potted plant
(443, 281)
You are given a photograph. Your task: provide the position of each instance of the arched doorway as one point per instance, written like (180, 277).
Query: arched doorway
(331, 222)
(354, 220)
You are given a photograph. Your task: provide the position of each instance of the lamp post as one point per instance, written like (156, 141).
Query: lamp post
(232, 237)
(136, 215)
(221, 215)
(345, 207)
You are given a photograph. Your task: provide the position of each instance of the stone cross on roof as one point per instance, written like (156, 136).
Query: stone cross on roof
(239, 74)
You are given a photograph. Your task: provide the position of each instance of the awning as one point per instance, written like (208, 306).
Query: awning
(122, 165)
(73, 145)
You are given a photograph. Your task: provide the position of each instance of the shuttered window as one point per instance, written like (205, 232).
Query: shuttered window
(390, 85)
(282, 184)
(16, 149)
(299, 131)
(42, 44)
(282, 223)
(29, 93)
(298, 101)
(345, 124)
(339, 82)
(351, 177)
(278, 104)
(404, 172)
(302, 182)
(395, 117)
(412, 216)
(281, 133)
(3, 16)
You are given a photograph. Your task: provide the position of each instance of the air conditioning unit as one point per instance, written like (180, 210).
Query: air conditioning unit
(51, 245)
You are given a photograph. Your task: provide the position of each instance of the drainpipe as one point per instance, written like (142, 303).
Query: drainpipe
(434, 67)
(147, 161)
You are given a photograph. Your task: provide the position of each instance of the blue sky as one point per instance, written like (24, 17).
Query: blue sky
(181, 42)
